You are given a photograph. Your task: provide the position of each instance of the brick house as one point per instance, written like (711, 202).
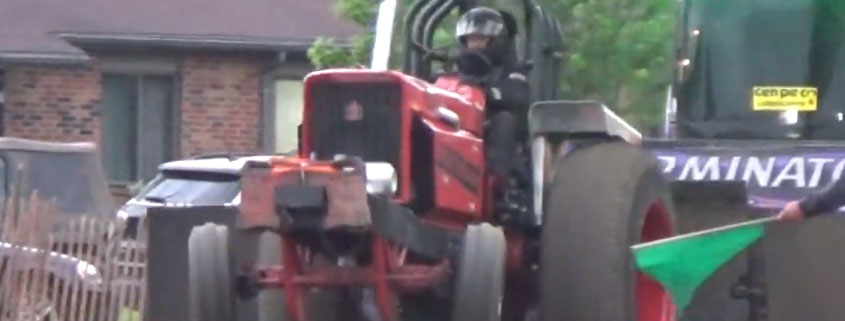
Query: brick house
(156, 80)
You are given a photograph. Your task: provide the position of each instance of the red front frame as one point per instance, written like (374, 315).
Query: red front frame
(386, 274)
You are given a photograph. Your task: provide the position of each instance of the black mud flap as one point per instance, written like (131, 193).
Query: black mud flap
(805, 269)
(708, 204)
(797, 266)
(795, 272)
(167, 267)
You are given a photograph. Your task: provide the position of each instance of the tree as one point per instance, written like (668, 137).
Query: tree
(326, 53)
(617, 51)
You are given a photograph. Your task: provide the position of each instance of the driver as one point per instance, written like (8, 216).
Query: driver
(487, 58)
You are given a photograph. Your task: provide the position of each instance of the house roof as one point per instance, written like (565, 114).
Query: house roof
(52, 30)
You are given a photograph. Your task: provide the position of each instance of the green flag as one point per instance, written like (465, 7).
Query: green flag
(683, 262)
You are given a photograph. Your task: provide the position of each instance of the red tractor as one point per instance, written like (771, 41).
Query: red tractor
(390, 203)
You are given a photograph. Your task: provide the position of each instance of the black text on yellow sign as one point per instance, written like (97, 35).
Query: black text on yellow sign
(785, 98)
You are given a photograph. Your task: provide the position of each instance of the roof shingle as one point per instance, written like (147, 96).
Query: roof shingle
(35, 26)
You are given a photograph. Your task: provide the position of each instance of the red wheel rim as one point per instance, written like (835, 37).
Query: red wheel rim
(653, 303)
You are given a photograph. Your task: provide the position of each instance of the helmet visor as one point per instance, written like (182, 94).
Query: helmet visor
(485, 28)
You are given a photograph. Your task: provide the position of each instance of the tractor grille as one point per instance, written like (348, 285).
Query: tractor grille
(356, 119)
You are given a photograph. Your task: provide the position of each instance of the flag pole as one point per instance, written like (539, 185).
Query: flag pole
(708, 231)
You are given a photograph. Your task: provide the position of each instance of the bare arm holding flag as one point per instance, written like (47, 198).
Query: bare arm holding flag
(824, 201)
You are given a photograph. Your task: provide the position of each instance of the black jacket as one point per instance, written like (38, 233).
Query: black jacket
(825, 201)
(506, 89)
(504, 80)
(508, 92)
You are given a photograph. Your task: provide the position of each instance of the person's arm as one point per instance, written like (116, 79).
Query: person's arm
(824, 201)
(511, 93)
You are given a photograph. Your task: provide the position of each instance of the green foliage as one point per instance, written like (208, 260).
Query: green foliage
(325, 53)
(618, 51)
(358, 11)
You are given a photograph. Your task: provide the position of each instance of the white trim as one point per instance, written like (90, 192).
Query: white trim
(11, 143)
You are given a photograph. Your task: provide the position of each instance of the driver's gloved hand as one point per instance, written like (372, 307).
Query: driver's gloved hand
(473, 63)
(494, 93)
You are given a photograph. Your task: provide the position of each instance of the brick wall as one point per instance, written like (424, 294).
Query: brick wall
(52, 103)
(221, 104)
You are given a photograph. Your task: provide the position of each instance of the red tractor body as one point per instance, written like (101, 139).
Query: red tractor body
(390, 202)
(393, 121)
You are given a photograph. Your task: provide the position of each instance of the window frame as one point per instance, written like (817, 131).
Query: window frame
(139, 67)
(292, 66)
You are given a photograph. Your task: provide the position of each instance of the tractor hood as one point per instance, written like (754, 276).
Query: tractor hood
(775, 171)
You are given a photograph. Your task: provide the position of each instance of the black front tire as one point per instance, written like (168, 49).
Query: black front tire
(480, 283)
(210, 277)
(597, 208)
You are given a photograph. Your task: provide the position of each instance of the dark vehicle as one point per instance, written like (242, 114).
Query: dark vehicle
(57, 229)
(745, 105)
(31, 167)
(757, 101)
(390, 201)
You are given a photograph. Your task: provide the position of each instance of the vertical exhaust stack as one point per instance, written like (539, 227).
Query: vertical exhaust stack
(384, 34)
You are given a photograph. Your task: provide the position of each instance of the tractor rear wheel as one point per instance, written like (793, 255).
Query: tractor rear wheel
(480, 283)
(604, 198)
(210, 277)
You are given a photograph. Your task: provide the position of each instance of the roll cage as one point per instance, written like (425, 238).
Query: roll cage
(540, 45)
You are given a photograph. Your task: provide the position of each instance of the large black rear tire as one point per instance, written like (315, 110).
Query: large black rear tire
(210, 277)
(602, 199)
(480, 283)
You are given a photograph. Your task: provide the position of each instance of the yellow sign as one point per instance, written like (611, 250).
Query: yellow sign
(785, 98)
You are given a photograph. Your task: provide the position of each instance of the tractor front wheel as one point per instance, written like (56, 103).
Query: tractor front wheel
(480, 283)
(604, 198)
(210, 277)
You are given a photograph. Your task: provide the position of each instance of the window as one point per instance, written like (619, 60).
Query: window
(289, 100)
(44, 169)
(137, 125)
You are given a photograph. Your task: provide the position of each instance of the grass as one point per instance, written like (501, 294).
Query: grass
(127, 314)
